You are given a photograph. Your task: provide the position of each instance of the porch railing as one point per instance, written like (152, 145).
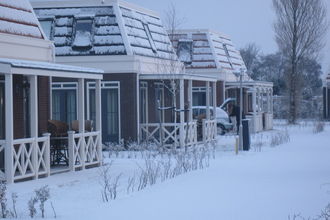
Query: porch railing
(84, 149)
(168, 134)
(209, 130)
(30, 157)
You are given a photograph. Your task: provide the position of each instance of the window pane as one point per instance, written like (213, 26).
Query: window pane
(185, 51)
(83, 34)
(47, 27)
(2, 112)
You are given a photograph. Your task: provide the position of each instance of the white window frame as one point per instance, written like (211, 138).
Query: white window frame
(62, 87)
(105, 85)
(144, 85)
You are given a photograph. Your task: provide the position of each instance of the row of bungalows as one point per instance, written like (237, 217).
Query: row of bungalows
(26, 69)
(210, 53)
(326, 97)
(145, 89)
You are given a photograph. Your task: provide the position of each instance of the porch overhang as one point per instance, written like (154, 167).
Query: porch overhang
(249, 84)
(177, 77)
(13, 66)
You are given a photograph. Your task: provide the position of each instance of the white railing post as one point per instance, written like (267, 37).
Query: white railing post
(33, 80)
(81, 119)
(98, 122)
(181, 131)
(47, 153)
(9, 148)
(204, 130)
(71, 150)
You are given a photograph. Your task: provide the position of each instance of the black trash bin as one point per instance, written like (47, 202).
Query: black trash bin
(246, 134)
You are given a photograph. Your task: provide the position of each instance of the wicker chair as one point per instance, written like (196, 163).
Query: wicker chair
(59, 142)
(88, 125)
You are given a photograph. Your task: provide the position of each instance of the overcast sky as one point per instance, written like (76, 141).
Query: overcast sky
(244, 21)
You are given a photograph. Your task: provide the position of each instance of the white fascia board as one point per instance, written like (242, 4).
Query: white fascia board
(110, 64)
(176, 76)
(54, 73)
(42, 50)
(220, 75)
(250, 83)
(5, 68)
(89, 3)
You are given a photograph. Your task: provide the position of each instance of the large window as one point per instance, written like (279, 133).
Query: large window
(185, 51)
(83, 34)
(64, 102)
(47, 27)
(2, 111)
(143, 102)
(110, 110)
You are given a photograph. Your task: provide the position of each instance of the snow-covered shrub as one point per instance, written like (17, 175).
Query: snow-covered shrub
(318, 127)
(279, 138)
(31, 206)
(109, 187)
(3, 199)
(14, 197)
(42, 195)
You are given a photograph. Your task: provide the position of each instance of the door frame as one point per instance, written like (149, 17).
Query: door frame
(105, 85)
(63, 86)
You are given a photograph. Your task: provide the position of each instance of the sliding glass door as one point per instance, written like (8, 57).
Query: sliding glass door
(110, 110)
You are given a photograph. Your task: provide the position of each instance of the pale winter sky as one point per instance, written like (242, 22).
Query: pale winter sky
(244, 21)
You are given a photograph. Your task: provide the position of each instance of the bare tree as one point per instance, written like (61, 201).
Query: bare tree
(250, 54)
(299, 31)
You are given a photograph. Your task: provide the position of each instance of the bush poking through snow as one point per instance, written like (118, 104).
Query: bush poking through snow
(279, 138)
(318, 127)
(31, 206)
(42, 195)
(3, 199)
(14, 200)
(109, 187)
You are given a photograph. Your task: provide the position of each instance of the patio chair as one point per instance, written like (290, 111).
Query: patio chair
(59, 142)
(88, 125)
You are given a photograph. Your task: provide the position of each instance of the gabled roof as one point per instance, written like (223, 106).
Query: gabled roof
(118, 28)
(17, 18)
(210, 50)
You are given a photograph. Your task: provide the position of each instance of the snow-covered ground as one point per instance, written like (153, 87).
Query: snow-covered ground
(267, 183)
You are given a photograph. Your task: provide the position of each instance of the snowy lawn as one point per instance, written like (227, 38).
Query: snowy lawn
(264, 183)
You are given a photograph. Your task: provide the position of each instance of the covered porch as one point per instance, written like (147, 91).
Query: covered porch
(26, 144)
(257, 102)
(167, 116)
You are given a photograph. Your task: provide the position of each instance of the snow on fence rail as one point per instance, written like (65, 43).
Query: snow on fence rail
(209, 130)
(168, 134)
(84, 149)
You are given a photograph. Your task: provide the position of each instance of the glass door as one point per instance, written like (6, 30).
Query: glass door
(109, 110)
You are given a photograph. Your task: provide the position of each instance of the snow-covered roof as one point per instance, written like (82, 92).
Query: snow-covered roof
(116, 28)
(48, 66)
(209, 50)
(17, 17)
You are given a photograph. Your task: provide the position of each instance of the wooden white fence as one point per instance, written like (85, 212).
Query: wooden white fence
(85, 149)
(168, 134)
(209, 130)
(31, 158)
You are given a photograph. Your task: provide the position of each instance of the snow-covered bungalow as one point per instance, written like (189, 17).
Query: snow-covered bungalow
(28, 149)
(209, 53)
(326, 97)
(141, 68)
